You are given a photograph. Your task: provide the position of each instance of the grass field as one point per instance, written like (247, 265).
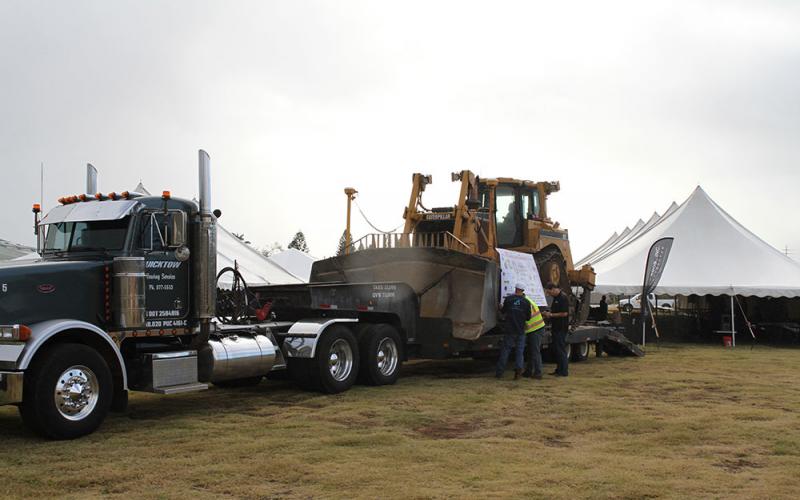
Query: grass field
(698, 421)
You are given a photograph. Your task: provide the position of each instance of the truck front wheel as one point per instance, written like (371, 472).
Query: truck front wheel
(67, 392)
(381, 355)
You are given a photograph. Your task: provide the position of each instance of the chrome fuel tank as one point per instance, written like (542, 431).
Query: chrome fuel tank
(234, 357)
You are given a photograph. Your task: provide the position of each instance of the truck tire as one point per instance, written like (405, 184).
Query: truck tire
(67, 392)
(381, 355)
(580, 351)
(334, 367)
(627, 308)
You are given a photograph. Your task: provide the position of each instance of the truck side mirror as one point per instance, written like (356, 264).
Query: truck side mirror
(176, 233)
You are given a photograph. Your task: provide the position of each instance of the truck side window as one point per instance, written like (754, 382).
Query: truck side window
(58, 236)
(152, 232)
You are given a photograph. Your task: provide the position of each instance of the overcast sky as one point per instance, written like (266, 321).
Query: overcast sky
(629, 104)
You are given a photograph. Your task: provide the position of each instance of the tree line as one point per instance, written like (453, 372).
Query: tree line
(298, 242)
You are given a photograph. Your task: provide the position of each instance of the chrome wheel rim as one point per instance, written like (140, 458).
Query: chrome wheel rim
(76, 392)
(583, 349)
(387, 356)
(340, 360)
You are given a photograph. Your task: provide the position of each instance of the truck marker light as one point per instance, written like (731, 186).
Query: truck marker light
(24, 333)
(83, 197)
(126, 194)
(37, 208)
(166, 195)
(113, 195)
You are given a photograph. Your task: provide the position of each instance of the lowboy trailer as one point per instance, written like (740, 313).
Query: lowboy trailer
(125, 298)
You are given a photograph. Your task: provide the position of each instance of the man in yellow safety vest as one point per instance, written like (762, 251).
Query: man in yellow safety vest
(534, 328)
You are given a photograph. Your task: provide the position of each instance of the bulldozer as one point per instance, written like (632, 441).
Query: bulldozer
(449, 255)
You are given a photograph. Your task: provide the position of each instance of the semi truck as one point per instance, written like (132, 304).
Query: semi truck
(125, 298)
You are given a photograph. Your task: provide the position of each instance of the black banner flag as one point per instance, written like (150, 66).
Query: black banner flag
(656, 262)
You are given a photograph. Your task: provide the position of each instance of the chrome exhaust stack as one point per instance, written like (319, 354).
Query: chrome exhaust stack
(91, 179)
(205, 253)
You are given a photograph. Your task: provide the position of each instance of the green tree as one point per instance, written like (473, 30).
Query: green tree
(299, 242)
(342, 243)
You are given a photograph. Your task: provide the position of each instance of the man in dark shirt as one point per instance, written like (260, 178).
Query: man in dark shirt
(602, 313)
(517, 311)
(559, 326)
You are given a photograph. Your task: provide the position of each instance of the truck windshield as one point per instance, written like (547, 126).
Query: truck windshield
(86, 236)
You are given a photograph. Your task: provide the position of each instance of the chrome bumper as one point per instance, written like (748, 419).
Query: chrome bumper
(10, 387)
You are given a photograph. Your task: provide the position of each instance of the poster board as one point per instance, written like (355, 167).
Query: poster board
(518, 267)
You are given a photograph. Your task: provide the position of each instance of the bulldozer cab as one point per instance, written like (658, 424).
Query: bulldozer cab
(516, 203)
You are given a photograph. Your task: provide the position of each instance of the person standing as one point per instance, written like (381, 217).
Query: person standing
(534, 328)
(559, 326)
(602, 313)
(517, 311)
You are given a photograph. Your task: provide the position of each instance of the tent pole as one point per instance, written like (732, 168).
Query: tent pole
(733, 325)
(641, 318)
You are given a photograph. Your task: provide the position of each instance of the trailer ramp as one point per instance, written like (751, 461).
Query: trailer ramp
(616, 344)
(608, 340)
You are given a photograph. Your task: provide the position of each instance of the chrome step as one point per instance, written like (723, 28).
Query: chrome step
(177, 389)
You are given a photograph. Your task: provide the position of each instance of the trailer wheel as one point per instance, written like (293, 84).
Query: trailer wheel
(335, 365)
(67, 392)
(580, 351)
(381, 355)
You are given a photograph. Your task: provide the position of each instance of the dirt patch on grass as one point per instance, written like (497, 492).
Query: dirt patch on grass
(556, 442)
(736, 465)
(449, 429)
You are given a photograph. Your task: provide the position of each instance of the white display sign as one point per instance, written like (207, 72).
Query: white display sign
(518, 267)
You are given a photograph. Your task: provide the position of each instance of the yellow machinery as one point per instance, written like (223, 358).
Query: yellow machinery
(449, 257)
(500, 213)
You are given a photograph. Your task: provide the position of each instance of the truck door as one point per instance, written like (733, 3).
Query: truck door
(167, 268)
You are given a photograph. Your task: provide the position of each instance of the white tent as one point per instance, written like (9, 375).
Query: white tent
(254, 267)
(594, 256)
(29, 256)
(294, 261)
(712, 254)
(10, 251)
